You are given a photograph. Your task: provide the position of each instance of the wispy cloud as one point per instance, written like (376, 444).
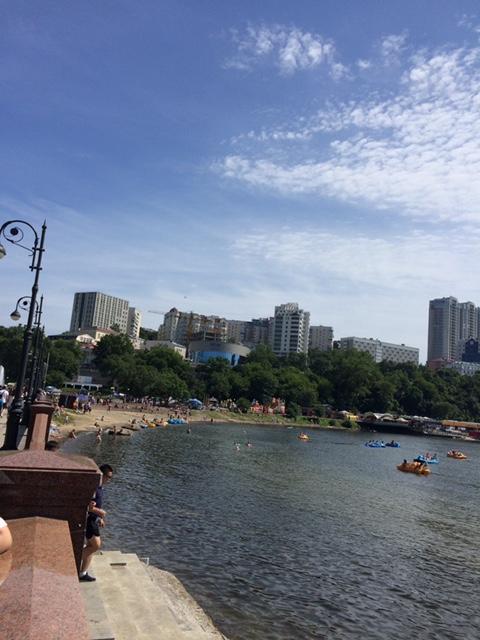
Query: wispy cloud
(399, 263)
(290, 49)
(391, 47)
(417, 153)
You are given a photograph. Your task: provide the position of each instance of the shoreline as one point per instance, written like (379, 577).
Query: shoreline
(122, 418)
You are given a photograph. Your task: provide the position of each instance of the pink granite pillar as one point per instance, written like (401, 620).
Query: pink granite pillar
(50, 485)
(39, 425)
(40, 595)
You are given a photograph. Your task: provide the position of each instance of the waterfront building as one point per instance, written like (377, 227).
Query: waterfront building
(470, 352)
(464, 368)
(369, 345)
(450, 325)
(290, 329)
(178, 348)
(201, 351)
(443, 329)
(250, 332)
(182, 327)
(320, 338)
(134, 322)
(95, 309)
(382, 351)
(258, 331)
(236, 330)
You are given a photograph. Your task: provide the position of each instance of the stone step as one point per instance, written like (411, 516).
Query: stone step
(140, 607)
(98, 623)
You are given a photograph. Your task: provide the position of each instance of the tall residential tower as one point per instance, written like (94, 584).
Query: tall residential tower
(290, 329)
(95, 309)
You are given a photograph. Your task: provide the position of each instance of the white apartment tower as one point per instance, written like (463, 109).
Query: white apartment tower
(95, 309)
(320, 338)
(134, 322)
(290, 329)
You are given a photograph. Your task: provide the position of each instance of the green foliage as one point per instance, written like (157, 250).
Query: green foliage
(11, 340)
(348, 380)
(293, 410)
(148, 334)
(65, 357)
(243, 404)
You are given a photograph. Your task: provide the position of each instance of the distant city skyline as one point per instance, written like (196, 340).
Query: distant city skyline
(227, 157)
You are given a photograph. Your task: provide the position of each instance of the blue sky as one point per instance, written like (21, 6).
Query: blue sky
(225, 157)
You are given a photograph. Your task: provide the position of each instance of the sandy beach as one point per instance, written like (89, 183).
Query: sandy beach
(122, 417)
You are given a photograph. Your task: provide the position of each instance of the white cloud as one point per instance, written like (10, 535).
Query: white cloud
(360, 283)
(290, 49)
(364, 64)
(417, 153)
(391, 47)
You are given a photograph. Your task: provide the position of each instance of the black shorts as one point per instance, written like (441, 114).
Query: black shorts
(93, 527)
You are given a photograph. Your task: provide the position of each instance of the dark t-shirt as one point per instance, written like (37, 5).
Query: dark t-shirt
(98, 499)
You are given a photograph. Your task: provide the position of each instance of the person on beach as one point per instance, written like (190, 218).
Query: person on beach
(95, 520)
(4, 395)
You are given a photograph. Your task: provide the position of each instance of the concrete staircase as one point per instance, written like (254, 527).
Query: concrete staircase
(130, 601)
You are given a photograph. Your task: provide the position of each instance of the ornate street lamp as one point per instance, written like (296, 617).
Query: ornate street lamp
(13, 231)
(23, 305)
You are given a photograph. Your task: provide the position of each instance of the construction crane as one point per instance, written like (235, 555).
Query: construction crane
(159, 313)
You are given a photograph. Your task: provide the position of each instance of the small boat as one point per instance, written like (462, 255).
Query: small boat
(303, 436)
(393, 443)
(375, 444)
(428, 459)
(176, 421)
(457, 455)
(414, 467)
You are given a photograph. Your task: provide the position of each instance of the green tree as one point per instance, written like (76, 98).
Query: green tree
(113, 345)
(11, 341)
(148, 334)
(65, 357)
(293, 410)
(296, 387)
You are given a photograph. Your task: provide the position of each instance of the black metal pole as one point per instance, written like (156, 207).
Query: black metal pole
(16, 408)
(35, 355)
(45, 370)
(37, 380)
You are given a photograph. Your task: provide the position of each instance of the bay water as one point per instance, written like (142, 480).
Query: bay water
(299, 540)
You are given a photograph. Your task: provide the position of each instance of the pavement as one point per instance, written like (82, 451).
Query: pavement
(132, 601)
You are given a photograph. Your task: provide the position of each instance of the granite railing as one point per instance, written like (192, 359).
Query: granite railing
(44, 496)
(39, 590)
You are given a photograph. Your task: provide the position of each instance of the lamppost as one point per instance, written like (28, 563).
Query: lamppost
(13, 232)
(23, 304)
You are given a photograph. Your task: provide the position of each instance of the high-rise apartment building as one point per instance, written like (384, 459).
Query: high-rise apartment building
(450, 325)
(258, 331)
(249, 332)
(320, 338)
(443, 329)
(236, 330)
(382, 351)
(182, 326)
(290, 329)
(134, 322)
(95, 309)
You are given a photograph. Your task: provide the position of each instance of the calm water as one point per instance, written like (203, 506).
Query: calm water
(291, 539)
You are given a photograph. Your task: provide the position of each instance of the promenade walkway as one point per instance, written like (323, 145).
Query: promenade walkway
(130, 601)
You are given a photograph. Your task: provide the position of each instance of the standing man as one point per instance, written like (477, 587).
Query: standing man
(95, 520)
(4, 395)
